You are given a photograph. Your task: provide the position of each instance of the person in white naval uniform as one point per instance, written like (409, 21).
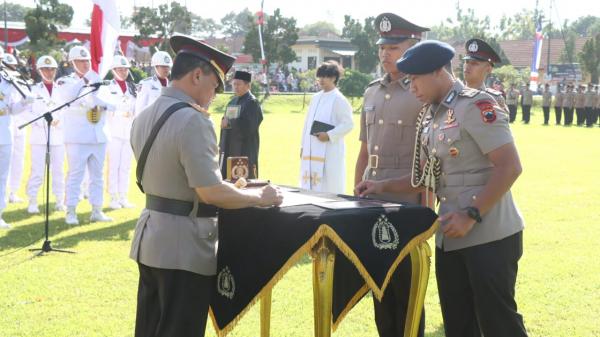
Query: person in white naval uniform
(149, 88)
(85, 135)
(11, 103)
(122, 94)
(45, 99)
(17, 160)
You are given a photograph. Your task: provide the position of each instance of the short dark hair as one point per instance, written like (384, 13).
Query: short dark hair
(185, 63)
(330, 69)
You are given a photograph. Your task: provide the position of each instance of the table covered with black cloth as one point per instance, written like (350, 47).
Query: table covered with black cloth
(258, 245)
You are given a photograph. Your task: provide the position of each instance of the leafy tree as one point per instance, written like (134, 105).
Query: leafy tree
(204, 27)
(319, 28)
(354, 83)
(43, 21)
(279, 34)
(510, 75)
(163, 21)
(464, 26)
(363, 36)
(589, 57)
(15, 12)
(237, 24)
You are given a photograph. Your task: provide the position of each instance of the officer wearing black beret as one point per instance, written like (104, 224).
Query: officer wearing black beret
(480, 59)
(239, 126)
(387, 135)
(466, 155)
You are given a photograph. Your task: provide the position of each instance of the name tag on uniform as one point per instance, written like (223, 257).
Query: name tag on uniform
(232, 112)
(369, 108)
(154, 88)
(449, 126)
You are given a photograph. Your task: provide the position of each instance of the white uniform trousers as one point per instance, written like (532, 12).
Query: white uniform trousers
(16, 164)
(120, 155)
(38, 171)
(5, 154)
(80, 157)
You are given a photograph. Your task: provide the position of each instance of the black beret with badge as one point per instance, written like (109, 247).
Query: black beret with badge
(394, 29)
(425, 57)
(218, 60)
(479, 50)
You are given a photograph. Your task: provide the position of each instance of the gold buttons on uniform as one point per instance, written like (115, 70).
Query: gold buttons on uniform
(374, 173)
(399, 121)
(381, 121)
(443, 199)
(434, 151)
(449, 140)
(376, 148)
(435, 126)
(474, 197)
(387, 96)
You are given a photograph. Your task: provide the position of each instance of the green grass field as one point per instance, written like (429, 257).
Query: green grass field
(93, 292)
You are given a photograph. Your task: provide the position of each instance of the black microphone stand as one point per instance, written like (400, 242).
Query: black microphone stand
(46, 246)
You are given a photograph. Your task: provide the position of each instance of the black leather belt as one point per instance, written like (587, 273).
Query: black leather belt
(179, 207)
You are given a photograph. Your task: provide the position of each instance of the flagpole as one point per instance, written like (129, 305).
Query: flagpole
(263, 60)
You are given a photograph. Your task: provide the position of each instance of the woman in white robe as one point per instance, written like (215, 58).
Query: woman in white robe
(322, 156)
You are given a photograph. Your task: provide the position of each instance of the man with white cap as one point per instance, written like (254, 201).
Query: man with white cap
(18, 149)
(13, 100)
(85, 134)
(149, 88)
(122, 94)
(45, 99)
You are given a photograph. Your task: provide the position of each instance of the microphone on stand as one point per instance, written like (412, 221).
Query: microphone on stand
(97, 84)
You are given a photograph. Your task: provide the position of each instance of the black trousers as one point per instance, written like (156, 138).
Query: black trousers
(390, 313)
(526, 113)
(557, 114)
(580, 112)
(512, 113)
(546, 114)
(589, 116)
(568, 116)
(476, 286)
(172, 303)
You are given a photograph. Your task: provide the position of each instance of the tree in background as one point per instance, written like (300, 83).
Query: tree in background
(354, 83)
(237, 24)
(363, 36)
(43, 21)
(15, 12)
(279, 35)
(510, 75)
(204, 27)
(463, 27)
(320, 29)
(163, 21)
(589, 57)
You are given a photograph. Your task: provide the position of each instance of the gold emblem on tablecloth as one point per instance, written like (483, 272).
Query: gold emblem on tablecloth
(238, 168)
(226, 283)
(384, 234)
(93, 114)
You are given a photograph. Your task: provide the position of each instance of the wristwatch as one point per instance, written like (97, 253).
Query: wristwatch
(473, 213)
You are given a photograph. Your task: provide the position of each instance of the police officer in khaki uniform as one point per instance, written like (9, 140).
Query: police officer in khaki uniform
(387, 135)
(480, 60)
(546, 101)
(569, 104)
(512, 100)
(175, 239)
(580, 105)
(590, 100)
(526, 103)
(558, 103)
(470, 160)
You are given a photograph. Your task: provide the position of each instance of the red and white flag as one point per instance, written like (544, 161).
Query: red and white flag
(106, 26)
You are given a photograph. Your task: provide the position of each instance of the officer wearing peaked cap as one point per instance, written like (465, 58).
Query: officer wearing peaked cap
(466, 155)
(387, 135)
(480, 59)
(175, 238)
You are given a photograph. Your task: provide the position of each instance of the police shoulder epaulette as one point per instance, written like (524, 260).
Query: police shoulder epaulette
(372, 83)
(469, 92)
(493, 92)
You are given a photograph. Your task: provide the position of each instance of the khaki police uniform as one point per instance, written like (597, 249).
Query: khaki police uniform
(590, 100)
(526, 104)
(568, 105)
(546, 102)
(476, 273)
(558, 103)
(580, 106)
(512, 100)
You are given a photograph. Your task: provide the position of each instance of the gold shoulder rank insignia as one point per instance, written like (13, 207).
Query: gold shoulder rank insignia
(200, 109)
(468, 92)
